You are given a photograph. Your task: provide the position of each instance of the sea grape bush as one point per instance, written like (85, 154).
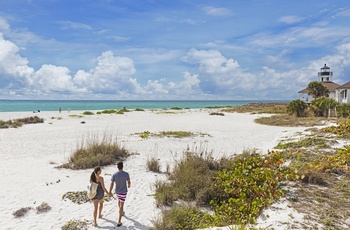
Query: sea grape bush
(251, 184)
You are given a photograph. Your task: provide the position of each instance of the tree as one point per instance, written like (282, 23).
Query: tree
(297, 107)
(322, 106)
(316, 89)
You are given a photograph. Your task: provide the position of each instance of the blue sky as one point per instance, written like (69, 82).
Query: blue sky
(161, 49)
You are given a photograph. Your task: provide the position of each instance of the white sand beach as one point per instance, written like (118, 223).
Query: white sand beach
(29, 155)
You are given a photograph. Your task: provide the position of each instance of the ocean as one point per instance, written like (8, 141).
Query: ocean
(54, 105)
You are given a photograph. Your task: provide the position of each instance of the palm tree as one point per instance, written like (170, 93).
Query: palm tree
(316, 89)
(322, 106)
(297, 107)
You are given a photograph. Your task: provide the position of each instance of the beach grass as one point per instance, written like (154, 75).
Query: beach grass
(153, 164)
(260, 107)
(96, 151)
(20, 122)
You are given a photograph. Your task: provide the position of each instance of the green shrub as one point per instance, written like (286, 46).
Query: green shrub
(176, 108)
(343, 110)
(305, 142)
(76, 197)
(297, 107)
(251, 184)
(88, 113)
(183, 217)
(76, 225)
(138, 109)
(110, 111)
(93, 152)
(341, 130)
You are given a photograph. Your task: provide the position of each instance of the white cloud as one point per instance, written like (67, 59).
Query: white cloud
(12, 63)
(4, 25)
(302, 36)
(74, 25)
(214, 11)
(119, 38)
(290, 19)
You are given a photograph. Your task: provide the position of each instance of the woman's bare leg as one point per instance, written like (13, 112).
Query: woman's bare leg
(101, 207)
(95, 211)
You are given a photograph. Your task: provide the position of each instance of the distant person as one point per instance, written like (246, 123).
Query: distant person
(122, 183)
(59, 109)
(68, 110)
(101, 190)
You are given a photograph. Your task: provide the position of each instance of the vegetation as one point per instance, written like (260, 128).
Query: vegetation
(238, 189)
(216, 113)
(76, 197)
(88, 113)
(21, 212)
(218, 107)
(316, 89)
(321, 107)
(20, 122)
(343, 110)
(172, 134)
(176, 108)
(76, 225)
(308, 142)
(291, 121)
(111, 111)
(138, 109)
(94, 151)
(76, 116)
(43, 207)
(153, 164)
(297, 108)
(342, 130)
(260, 107)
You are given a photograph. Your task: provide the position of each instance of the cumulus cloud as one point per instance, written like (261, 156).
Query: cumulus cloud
(214, 11)
(12, 64)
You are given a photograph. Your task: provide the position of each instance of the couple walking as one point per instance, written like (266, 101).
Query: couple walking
(121, 179)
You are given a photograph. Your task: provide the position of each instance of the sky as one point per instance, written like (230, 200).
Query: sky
(170, 50)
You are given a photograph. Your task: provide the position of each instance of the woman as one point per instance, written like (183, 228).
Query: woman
(98, 199)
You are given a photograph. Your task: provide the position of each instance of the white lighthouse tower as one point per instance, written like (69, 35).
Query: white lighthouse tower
(325, 75)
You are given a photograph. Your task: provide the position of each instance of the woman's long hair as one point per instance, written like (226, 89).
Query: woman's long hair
(93, 174)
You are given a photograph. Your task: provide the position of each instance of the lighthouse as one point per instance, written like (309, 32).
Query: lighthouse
(325, 75)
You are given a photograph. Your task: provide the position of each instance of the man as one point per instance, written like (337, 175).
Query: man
(122, 183)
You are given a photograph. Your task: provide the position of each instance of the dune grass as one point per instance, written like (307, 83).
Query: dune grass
(20, 122)
(96, 151)
(153, 164)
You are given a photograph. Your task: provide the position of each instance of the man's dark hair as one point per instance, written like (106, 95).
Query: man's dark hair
(120, 164)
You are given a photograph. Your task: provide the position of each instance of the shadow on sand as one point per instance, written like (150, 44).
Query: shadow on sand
(137, 225)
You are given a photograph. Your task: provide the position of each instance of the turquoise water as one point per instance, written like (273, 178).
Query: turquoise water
(54, 105)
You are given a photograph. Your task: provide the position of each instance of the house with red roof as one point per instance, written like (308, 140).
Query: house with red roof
(340, 93)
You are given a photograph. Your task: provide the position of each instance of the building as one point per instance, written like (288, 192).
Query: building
(340, 93)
